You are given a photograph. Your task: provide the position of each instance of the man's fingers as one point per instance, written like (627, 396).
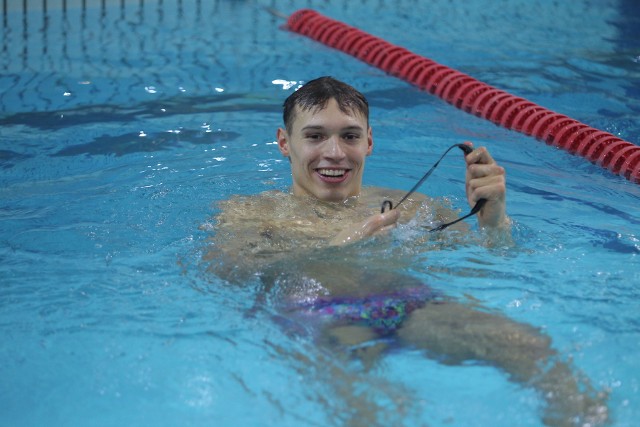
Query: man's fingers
(479, 156)
(478, 170)
(377, 222)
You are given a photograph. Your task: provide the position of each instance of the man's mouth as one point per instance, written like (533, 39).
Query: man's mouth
(333, 176)
(332, 173)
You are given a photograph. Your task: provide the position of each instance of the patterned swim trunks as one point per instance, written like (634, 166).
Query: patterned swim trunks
(384, 312)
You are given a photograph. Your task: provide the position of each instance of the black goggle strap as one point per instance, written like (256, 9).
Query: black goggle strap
(479, 204)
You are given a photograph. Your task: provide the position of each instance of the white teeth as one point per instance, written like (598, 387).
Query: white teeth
(332, 172)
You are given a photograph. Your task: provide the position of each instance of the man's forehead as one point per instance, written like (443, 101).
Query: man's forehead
(315, 110)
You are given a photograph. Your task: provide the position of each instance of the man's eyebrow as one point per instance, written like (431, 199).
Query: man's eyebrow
(313, 127)
(353, 128)
(320, 127)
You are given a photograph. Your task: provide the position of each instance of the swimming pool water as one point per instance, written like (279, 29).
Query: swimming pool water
(123, 124)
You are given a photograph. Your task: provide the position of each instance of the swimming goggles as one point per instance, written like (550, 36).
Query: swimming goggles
(479, 204)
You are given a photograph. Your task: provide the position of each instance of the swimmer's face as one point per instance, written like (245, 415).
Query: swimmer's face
(327, 149)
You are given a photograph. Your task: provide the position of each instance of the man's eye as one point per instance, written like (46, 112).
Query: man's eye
(351, 136)
(314, 136)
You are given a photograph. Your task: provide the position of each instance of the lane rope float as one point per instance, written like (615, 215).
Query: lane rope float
(473, 96)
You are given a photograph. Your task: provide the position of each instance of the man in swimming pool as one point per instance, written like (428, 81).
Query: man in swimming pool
(309, 250)
(327, 138)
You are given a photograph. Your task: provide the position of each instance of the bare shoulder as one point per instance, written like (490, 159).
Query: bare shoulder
(270, 213)
(252, 222)
(247, 207)
(246, 234)
(253, 230)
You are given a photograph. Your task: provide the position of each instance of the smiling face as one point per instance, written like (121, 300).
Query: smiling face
(327, 148)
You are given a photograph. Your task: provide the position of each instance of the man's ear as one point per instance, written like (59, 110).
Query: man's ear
(369, 141)
(283, 141)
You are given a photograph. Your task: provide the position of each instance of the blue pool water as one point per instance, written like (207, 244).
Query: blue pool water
(123, 124)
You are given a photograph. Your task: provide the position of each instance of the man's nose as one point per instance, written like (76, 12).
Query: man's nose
(334, 148)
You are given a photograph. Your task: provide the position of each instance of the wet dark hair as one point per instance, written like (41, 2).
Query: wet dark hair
(315, 94)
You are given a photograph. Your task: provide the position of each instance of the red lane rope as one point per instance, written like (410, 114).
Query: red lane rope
(473, 96)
